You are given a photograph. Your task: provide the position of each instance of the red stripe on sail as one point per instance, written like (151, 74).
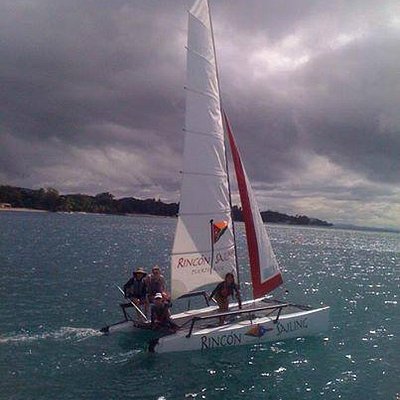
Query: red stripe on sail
(259, 288)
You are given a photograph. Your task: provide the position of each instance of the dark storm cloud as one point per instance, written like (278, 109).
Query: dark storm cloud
(353, 120)
(92, 100)
(339, 102)
(66, 65)
(89, 75)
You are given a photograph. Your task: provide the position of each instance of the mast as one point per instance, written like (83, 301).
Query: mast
(226, 152)
(233, 223)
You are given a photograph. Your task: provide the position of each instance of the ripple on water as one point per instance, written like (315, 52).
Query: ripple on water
(79, 258)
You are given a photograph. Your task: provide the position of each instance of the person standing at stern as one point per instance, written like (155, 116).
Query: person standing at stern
(223, 291)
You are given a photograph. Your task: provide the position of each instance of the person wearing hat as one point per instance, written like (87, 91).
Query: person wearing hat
(136, 290)
(161, 316)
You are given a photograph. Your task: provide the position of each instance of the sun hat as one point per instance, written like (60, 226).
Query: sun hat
(140, 270)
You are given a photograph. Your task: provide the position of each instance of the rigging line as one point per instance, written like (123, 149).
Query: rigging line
(201, 93)
(225, 121)
(202, 252)
(199, 55)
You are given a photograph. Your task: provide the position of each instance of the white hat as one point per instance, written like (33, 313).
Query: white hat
(158, 296)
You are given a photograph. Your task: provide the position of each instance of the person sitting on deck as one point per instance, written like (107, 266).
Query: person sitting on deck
(155, 283)
(135, 290)
(161, 316)
(222, 292)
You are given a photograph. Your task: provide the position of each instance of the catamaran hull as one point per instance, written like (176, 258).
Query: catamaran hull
(260, 330)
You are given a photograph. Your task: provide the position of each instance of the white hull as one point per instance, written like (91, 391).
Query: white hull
(247, 332)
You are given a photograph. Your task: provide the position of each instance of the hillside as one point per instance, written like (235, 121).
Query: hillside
(50, 199)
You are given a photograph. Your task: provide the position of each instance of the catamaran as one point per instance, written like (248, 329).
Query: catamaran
(204, 248)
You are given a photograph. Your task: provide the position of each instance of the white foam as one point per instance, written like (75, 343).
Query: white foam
(121, 358)
(64, 333)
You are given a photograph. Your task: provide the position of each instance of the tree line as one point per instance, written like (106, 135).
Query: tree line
(50, 199)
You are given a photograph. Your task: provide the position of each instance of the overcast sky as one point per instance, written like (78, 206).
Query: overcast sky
(92, 99)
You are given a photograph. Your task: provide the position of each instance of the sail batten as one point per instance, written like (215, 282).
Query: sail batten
(194, 52)
(201, 93)
(211, 135)
(191, 15)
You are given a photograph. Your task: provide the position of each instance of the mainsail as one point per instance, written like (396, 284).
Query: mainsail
(265, 273)
(204, 246)
(197, 258)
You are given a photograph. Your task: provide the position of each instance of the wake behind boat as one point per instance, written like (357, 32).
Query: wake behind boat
(204, 248)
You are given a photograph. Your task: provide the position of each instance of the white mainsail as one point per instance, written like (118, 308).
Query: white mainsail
(198, 256)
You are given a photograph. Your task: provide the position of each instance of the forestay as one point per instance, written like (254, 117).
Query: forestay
(200, 257)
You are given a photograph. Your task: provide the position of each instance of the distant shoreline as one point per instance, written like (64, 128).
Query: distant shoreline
(22, 209)
(49, 199)
(335, 227)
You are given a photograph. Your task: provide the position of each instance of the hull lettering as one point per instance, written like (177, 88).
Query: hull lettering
(291, 326)
(211, 342)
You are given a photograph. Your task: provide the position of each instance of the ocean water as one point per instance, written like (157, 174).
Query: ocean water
(57, 277)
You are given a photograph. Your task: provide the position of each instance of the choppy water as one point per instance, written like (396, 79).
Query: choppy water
(57, 275)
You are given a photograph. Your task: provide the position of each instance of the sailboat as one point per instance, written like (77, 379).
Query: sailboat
(204, 248)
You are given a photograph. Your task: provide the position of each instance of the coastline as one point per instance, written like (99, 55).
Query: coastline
(21, 209)
(143, 215)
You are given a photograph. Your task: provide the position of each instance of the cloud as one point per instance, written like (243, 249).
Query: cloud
(92, 99)
(327, 190)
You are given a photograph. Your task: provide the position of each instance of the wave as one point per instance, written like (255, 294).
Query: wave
(62, 334)
(121, 358)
